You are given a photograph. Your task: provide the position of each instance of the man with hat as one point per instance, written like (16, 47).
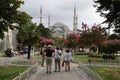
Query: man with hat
(49, 52)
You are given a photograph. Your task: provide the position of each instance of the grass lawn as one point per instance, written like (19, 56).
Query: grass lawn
(2, 53)
(84, 59)
(107, 73)
(10, 72)
(81, 58)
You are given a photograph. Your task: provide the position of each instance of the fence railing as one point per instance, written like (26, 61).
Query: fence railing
(26, 74)
(92, 75)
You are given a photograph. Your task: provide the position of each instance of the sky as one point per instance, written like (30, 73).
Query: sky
(63, 11)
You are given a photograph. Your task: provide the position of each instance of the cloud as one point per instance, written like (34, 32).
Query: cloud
(62, 10)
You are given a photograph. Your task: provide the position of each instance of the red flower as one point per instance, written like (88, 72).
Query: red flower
(84, 25)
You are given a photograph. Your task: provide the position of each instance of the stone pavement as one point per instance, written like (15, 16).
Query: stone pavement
(8, 60)
(74, 74)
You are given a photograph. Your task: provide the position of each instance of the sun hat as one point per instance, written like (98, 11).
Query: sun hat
(44, 45)
(49, 46)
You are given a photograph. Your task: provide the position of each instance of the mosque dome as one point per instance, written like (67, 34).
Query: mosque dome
(59, 29)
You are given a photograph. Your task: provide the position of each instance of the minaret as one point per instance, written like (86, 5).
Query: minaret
(41, 15)
(49, 21)
(75, 20)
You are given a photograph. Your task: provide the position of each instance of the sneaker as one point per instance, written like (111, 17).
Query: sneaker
(47, 72)
(58, 70)
(55, 71)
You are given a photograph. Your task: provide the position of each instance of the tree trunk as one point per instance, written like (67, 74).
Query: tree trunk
(29, 49)
(99, 49)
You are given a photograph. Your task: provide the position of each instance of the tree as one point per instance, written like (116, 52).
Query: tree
(113, 36)
(8, 13)
(96, 36)
(31, 33)
(110, 9)
(23, 18)
(45, 41)
(43, 35)
(111, 46)
(71, 40)
(42, 31)
(57, 40)
(28, 36)
(24, 21)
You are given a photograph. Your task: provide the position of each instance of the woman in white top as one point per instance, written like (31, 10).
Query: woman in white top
(57, 56)
(67, 59)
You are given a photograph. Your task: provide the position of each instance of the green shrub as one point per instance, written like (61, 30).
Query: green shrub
(110, 46)
(94, 49)
(95, 56)
(81, 53)
(108, 57)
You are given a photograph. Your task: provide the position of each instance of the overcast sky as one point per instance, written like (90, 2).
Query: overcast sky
(63, 11)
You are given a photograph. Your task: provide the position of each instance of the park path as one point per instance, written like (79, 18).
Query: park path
(8, 60)
(74, 74)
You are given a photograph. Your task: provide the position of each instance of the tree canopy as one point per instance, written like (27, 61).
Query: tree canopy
(8, 14)
(71, 41)
(110, 9)
(28, 36)
(44, 32)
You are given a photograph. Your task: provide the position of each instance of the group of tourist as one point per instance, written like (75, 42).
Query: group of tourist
(9, 52)
(60, 56)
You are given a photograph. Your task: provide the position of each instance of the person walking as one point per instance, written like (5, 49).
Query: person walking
(42, 55)
(49, 53)
(67, 59)
(57, 56)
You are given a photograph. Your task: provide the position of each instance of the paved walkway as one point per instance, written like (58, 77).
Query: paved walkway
(8, 60)
(74, 74)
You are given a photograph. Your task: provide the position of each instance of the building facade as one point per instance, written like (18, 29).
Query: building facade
(9, 41)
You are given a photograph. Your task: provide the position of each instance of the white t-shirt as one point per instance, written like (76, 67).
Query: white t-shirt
(57, 54)
(67, 56)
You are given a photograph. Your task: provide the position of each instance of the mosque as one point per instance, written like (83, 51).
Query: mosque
(57, 29)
